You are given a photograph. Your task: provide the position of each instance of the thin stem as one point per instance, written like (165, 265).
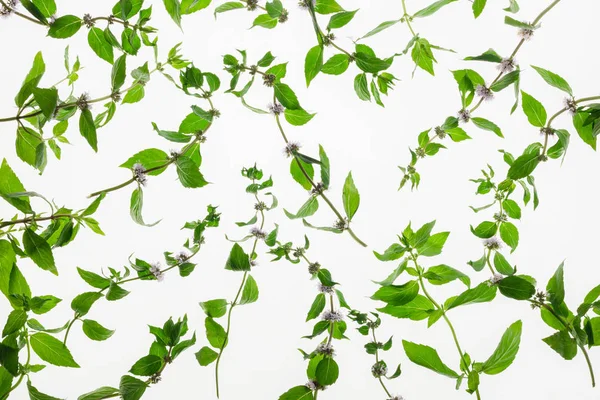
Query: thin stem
(314, 185)
(407, 18)
(14, 11)
(159, 167)
(32, 219)
(75, 318)
(235, 301)
(322, 38)
(21, 375)
(377, 359)
(19, 117)
(439, 308)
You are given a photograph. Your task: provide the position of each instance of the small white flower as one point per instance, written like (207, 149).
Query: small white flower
(325, 289)
(325, 349)
(397, 397)
(492, 243)
(258, 233)
(139, 174)
(507, 65)
(570, 105)
(526, 34)
(156, 271)
(181, 257)
(332, 316)
(291, 149)
(275, 108)
(484, 92)
(494, 280)
(464, 115)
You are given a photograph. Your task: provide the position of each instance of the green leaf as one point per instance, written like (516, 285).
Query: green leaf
(47, 7)
(350, 197)
(46, 99)
(286, 96)
(52, 350)
(238, 260)
(118, 74)
(563, 344)
(397, 295)
(26, 145)
(361, 87)
(39, 251)
(502, 265)
(93, 279)
(379, 28)
(230, 5)
(317, 307)
(115, 292)
(309, 208)
(147, 365)
(556, 287)
(215, 333)
(427, 357)
(432, 8)
(16, 320)
(489, 55)
(506, 81)
(478, 6)
(265, 21)
(442, 274)
(214, 308)
(188, 173)
(512, 208)
(298, 393)
(584, 130)
(173, 8)
(206, 356)
(10, 183)
(100, 45)
(509, 234)
(87, 128)
(327, 6)
(516, 288)
(481, 293)
(313, 63)
(35, 394)
(132, 388)
(553, 79)
(191, 6)
(134, 95)
(394, 252)
(298, 175)
(150, 159)
(506, 351)
(95, 331)
(43, 304)
(327, 371)
(434, 245)
(250, 292)
(534, 110)
(485, 230)
(336, 65)
(100, 393)
(523, 166)
(135, 207)
(297, 117)
(484, 124)
(423, 56)
(64, 27)
(341, 19)
(82, 303)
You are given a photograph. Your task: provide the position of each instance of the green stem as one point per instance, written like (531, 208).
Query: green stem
(452, 330)
(75, 318)
(71, 104)
(407, 18)
(14, 11)
(34, 219)
(235, 302)
(314, 185)
(165, 165)
(321, 37)
(21, 375)
(377, 360)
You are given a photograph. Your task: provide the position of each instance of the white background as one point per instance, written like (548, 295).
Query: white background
(261, 361)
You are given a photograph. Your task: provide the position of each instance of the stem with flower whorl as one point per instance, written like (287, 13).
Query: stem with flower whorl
(313, 184)
(377, 360)
(321, 37)
(468, 112)
(19, 117)
(560, 112)
(77, 316)
(14, 11)
(237, 297)
(198, 138)
(36, 219)
(446, 319)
